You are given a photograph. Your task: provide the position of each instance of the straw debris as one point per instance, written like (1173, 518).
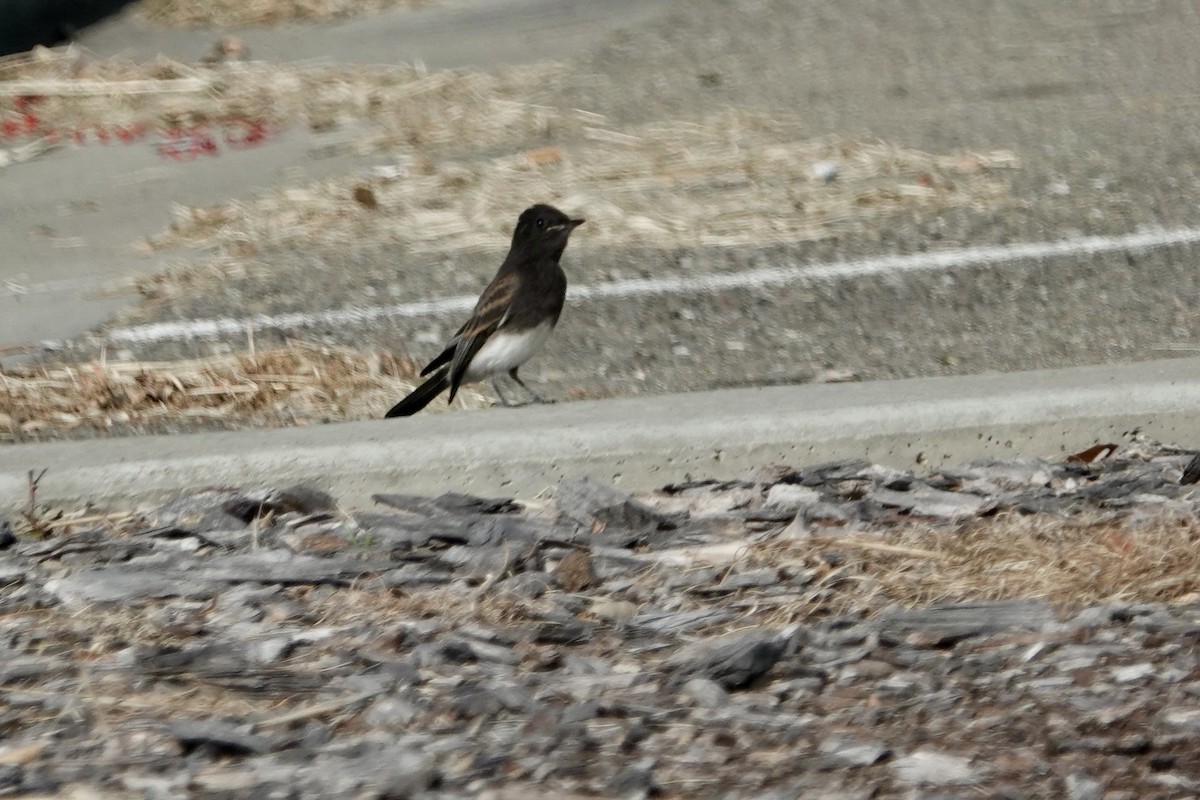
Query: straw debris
(459, 146)
(294, 385)
(738, 179)
(73, 95)
(1068, 561)
(218, 13)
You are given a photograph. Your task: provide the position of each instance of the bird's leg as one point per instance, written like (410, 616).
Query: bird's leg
(537, 398)
(496, 388)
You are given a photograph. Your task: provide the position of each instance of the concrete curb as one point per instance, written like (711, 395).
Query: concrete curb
(639, 443)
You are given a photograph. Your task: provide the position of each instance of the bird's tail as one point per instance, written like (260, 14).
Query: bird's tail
(422, 395)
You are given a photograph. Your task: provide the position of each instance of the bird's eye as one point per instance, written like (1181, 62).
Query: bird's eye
(541, 223)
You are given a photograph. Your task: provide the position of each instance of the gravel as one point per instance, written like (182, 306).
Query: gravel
(590, 642)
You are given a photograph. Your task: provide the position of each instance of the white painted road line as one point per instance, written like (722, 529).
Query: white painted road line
(677, 284)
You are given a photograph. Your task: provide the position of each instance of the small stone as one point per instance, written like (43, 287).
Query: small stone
(680, 621)
(513, 698)
(792, 496)
(12, 572)
(221, 737)
(842, 753)
(870, 669)
(734, 663)
(1093, 617)
(21, 754)
(571, 631)
(462, 650)
(948, 622)
(705, 692)
(472, 505)
(737, 581)
(526, 584)
(614, 610)
(825, 171)
(416, 575)
(580, 712)
(798, 529)
(932, 768)
(588, 502)
(364, 195)
(586, 665)
(476, 702)
(835, 375)
(574, 573)
(205, 511)
(282, 566)
(827, 512)
(38, 783)
(1083, 787)
(1191, 472)
(1133, 672)
(926, 502)
(633, 782)
(391, 713)
(116, 585)
(408, 775)
(1187, 719)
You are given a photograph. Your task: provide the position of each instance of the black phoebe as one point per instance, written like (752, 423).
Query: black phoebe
(514, 315)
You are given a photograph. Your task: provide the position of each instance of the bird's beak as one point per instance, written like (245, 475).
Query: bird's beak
(567, 226)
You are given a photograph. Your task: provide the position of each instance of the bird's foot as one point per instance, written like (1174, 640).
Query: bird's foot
(504, 401)
(534, 397)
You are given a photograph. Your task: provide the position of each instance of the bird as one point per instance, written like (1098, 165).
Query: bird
(513, 317)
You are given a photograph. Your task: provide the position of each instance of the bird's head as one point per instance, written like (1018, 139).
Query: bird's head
(543, 227)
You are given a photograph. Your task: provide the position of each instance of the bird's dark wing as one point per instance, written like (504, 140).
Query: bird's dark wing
(489, 298)
(490, 312)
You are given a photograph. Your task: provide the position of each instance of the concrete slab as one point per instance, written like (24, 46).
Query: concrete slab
(640, 443)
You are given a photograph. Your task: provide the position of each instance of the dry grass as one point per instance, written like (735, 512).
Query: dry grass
(364, 605)
(216, 13)
(458, 147)
(738, 179)
(78, 92)
(1070, 562)
(94, 633)
(289, 385)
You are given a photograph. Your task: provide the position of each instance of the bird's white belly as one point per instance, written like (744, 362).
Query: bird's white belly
(503, 351)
